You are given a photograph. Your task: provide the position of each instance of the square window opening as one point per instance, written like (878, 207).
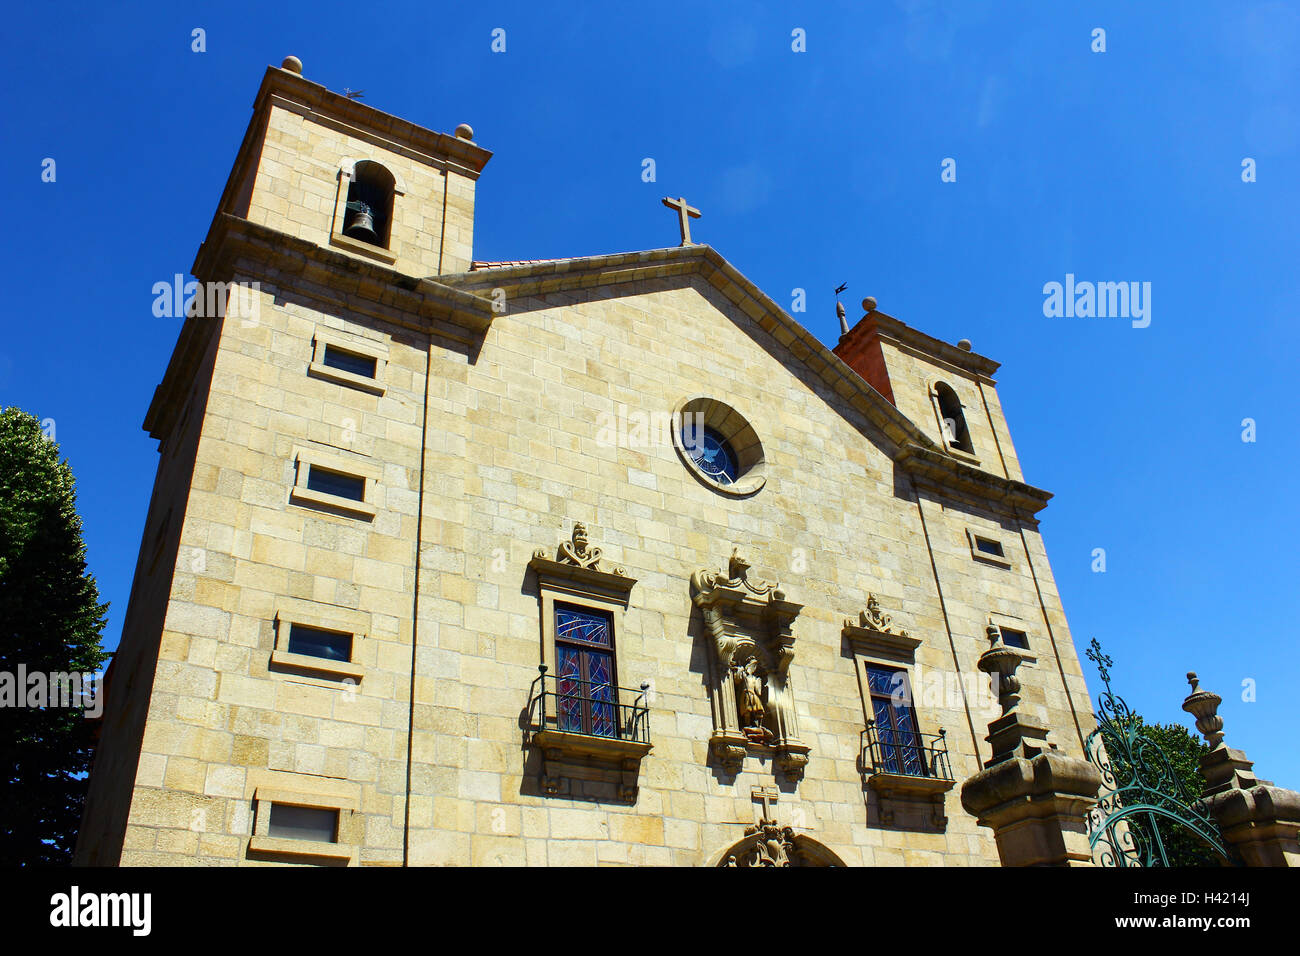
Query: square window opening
(336, 483)
(291, 822)
(353, 362)
(318, 642)
(1013, 638)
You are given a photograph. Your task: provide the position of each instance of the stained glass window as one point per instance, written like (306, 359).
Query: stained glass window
(711, 453)
(584, 649)
(900, 749)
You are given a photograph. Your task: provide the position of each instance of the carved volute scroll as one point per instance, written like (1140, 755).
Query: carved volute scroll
(748, 622)
(874, 635)
(578, 553)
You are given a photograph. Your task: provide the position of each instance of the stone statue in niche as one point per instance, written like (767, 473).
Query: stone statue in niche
(748, 627)
(751, 685)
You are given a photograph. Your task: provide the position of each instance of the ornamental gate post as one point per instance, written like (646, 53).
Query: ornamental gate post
(1034, 798)
(1259, 821)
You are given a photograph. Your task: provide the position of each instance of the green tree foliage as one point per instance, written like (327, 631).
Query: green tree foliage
(1183, 751)
(50, 622)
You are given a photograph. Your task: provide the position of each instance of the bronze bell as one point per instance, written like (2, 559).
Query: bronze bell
(359, 223)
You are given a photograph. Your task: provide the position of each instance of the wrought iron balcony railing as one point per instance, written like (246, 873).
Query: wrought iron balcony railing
(907, 754)
(576, 706)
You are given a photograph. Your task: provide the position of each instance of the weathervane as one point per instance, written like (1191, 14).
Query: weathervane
(839, 309)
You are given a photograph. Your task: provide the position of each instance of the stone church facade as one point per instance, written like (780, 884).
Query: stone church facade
(600, 560)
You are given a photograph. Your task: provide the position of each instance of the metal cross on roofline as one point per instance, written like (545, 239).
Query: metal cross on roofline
(685, 213)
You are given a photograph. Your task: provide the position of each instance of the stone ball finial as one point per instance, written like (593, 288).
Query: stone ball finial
(964, 345)
(292, 64)
(465, 131)
(869, 304)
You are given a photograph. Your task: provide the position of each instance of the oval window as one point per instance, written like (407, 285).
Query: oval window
(711, 453)
(719, 446)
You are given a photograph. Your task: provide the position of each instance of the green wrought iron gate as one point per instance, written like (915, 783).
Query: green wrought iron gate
(1144, 805)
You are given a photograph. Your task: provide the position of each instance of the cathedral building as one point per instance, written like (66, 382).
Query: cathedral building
(598, 560)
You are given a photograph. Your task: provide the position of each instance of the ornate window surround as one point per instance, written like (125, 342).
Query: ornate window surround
(574, 577)
(750, 621)
(875, 640)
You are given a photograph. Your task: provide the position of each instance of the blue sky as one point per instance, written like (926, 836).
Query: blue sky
(812, 169)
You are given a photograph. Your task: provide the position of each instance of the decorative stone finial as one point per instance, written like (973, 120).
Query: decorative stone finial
(844, 322)
(869, 304)
(292, 64)
(577, 552)
(874, 619)
(964, 345)
(465, 131)
(1001, 663)
(1204, 706)
(737, 567)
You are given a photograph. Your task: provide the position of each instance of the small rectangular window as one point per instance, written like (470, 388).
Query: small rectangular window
(336, 483)
(363, 365)
(989, 546)
(1013, 638)
(289, 822)
(317, 642)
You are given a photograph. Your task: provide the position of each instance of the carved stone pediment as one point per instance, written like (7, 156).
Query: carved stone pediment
(578, 564)
(874, 635)
(749, 628)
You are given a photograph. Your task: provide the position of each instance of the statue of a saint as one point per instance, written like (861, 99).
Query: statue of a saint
(749, 699)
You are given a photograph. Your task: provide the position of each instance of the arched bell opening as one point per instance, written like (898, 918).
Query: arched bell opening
(369, 210)
(952, 418)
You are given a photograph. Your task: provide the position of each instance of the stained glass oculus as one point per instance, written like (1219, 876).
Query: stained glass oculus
(711, 453)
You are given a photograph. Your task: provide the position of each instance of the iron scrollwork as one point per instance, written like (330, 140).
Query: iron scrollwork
(1140, 788)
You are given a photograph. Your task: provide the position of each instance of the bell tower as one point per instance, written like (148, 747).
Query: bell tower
(333, 171)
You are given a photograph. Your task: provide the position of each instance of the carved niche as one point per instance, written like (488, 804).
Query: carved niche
(748, 627)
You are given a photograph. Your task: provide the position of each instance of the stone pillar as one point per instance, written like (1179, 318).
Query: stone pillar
(1258, 820)
(1034, 798)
